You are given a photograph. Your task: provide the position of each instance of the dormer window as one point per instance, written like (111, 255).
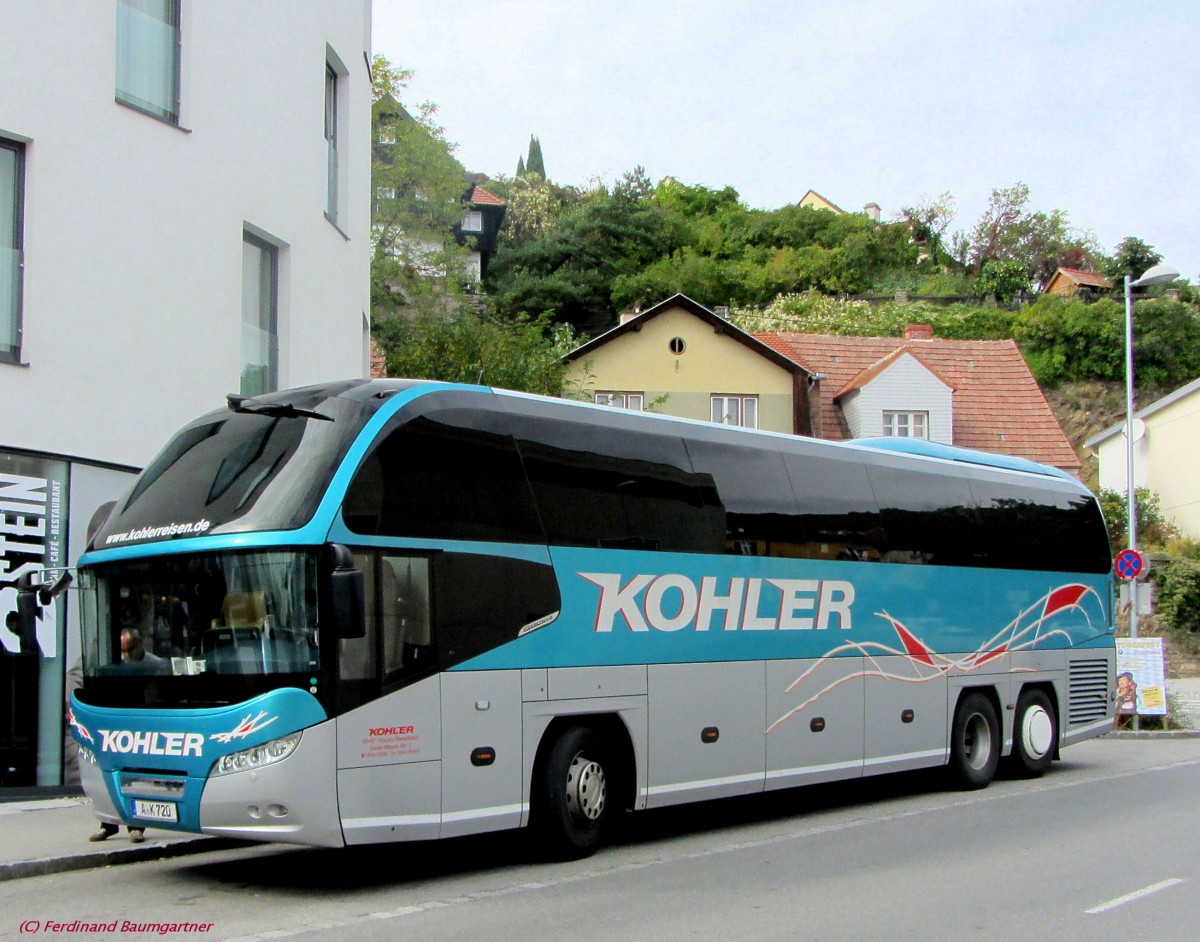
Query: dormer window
(906, 424)
(473, 222)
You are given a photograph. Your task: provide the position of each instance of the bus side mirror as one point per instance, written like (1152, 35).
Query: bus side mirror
(348, 595)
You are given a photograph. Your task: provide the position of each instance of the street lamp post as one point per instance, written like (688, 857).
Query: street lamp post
(1153, 276)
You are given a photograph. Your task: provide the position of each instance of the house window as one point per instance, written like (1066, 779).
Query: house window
(331, 153)
(906, 424)
(260, 331)
(619, 400)
(148, 56)
(12, 186)
(473, 222)
(387, 134)
(735, 410)
(385, 192)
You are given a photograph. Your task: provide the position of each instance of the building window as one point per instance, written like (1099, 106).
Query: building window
(735, 410)
(473, 222)
(387, 134)
(12, 187)
(148, 56)
(906, 424)
(677, 345)
(385, 192)
(331, 152)
(618, 400)
(260, 331)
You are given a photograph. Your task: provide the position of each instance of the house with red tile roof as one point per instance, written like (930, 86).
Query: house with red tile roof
(970, 393)
(696, 364)
(1068, 281)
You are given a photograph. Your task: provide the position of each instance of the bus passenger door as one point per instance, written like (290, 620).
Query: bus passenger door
(481, 751)
(814, 724)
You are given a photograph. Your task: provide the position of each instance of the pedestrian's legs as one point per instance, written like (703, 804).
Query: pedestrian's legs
(106, 831)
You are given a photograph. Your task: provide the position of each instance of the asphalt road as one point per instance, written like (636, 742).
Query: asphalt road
(1104, 846)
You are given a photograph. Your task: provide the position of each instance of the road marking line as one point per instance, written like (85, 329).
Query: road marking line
(1134, 896)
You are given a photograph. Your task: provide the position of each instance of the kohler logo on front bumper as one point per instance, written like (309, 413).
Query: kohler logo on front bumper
(151, 744)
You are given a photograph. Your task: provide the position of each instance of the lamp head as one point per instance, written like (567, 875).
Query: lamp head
(1155, 276)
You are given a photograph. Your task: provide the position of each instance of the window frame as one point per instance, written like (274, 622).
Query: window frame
(332, 164)
(270, 252)
(607, 398)
(891, 423)
(741, 400)
(12, 353)
(472, 221)
(127, 99)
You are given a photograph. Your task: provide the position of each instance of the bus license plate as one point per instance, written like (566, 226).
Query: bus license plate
(155, 810)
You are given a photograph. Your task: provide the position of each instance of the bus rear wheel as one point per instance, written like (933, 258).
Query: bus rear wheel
(974, 742)
(574, 807)
(1035, 733)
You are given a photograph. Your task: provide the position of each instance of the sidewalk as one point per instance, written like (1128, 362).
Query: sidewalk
(51, 835)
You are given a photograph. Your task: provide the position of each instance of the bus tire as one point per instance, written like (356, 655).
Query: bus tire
(575, 805)
(1035, 733)
(974, 742)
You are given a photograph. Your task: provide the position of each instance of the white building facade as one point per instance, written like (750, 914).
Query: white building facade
(184, 213)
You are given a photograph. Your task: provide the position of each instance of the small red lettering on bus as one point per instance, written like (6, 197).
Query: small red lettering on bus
(392, 731)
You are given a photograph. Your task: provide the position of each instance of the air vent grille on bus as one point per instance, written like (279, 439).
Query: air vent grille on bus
(1089, 691)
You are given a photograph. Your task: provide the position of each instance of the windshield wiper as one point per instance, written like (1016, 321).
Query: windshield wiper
(278, 410)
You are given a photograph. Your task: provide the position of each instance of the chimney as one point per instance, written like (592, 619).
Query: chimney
(918, 332)
(872, 210)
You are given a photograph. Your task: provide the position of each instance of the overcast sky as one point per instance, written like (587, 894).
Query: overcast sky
(1093, 104)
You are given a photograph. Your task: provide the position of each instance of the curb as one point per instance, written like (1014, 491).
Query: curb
(43, 866)
(1154, 734)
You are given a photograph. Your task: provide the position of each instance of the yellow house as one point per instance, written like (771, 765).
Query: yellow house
(815, 200)
(679, 358)
(1166, 452)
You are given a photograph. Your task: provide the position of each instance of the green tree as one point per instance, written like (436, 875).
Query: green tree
(461, 346)
(1154, 529)
(1132, 258)
(1040, 242)
(520, 166)
(568, 270)
(534, 162)
(418, 199)
(930, 220)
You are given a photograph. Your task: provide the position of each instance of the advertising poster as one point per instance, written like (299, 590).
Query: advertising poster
(33, 539)
(1141, 679)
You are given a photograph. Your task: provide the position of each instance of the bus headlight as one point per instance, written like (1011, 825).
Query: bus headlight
(258, 756)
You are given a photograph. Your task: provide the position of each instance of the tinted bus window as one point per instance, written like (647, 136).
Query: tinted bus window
(612, 486)
(1036, 524)
(836, 505)
(927, 514)
(759, 510)
(447, 473)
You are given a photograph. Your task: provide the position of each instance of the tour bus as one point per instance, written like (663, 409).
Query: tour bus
(398, 610)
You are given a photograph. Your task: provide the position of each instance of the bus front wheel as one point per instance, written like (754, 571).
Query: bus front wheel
(974, 742)
(574, 808)
(1035, 732)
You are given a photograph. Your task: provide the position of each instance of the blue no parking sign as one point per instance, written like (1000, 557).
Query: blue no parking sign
(1129, 564)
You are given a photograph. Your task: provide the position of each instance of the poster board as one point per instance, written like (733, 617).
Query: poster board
(1141, 677)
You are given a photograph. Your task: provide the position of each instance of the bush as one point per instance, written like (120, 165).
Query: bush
(1179, 595)
(1154, 530)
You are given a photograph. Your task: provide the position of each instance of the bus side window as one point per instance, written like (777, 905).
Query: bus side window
(404, 615)
(758, 508)
(356, 656)
(837, 506)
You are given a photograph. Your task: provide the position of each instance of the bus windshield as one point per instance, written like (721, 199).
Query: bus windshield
(261, 464)
(209, 615)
